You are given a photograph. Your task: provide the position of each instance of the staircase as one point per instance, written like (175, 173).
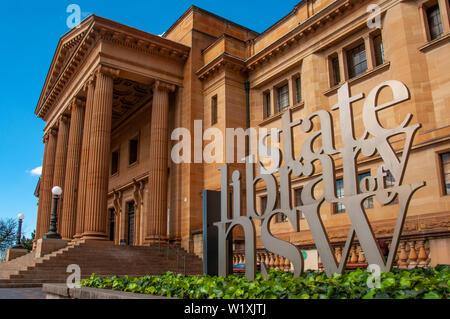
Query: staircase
(99, 258)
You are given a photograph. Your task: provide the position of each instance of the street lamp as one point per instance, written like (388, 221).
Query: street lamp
(56, 191)
(19, 231)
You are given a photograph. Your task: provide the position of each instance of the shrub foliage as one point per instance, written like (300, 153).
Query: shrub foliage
(419, 283)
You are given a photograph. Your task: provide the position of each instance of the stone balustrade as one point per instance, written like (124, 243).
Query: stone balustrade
(410, 254)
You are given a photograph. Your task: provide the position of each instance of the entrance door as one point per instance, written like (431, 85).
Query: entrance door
(111, 224)
(131, 223)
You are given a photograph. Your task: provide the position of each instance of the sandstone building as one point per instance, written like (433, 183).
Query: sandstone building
(114, 94)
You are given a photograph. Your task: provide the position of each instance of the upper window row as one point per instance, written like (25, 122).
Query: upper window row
(281, 96)
(133, 155)
(355, 59)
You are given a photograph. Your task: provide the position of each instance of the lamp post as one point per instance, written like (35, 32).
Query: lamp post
(19, 232)
(56, 191)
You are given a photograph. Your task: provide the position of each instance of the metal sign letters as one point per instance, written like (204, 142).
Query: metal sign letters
(375, 140)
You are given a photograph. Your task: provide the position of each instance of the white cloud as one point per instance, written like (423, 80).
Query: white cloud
(36, 171)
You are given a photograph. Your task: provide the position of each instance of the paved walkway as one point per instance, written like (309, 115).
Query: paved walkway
(21, 293)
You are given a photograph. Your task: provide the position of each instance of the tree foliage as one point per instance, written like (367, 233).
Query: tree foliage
(8, 233)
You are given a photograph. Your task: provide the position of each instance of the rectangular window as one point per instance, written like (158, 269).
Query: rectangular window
(368, 202)
(134, 148)
(340, 208)
(280, 218)
(298, 90)
(356, 61)
(263, 204)
(267, 105)
(378, 49)
(445, 162)
(336, 76)
(214, 110)
(389, 181)
(434, 21)
(283, 97)
(114, 162)
(298, 199)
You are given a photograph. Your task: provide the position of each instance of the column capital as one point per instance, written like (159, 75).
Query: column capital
(53, 130)
(63, 118)
(77, 102)
(163, 86)
(108, 71)
(90, 82)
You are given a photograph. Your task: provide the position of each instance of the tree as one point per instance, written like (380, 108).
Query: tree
(8, 233)
(27, 243)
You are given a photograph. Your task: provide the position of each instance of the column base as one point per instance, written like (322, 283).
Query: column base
(154, 240)
(91, 235)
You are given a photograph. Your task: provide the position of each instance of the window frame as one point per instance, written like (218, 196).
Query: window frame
(335, 74)
(375, 51)
(134, 138)
(427, 7)
(442, 172)
(117, 150)
(214, 110)
(284, 84)
(348, 56)
(267, 104)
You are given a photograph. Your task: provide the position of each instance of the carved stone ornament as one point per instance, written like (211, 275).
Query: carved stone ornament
(375, 140)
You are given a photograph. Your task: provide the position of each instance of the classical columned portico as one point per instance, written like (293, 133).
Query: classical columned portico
(45, 196)
(95, 219)
(158, 172)
(60, 160)
(89, 88)
(69, 210)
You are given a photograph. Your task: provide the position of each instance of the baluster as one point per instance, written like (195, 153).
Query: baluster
(271, 261)
(267, 260)
(353, 257)
(361, 256)
(338, 254)
(422, 258)
(281, 263)
(276, 263)
(402, 256)
(287, 265)
(412, 255)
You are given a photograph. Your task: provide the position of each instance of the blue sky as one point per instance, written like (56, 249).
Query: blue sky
(31, 30)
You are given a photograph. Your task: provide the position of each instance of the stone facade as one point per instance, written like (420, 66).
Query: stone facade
(111, 87)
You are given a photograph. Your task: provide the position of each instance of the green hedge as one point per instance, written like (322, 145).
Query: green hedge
(420, 283)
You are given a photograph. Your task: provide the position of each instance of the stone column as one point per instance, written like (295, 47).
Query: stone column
(41, 181)
(45, 191)
(60, 161)
(158, 174)
(96, 212)
(89, 88)
(69, 210)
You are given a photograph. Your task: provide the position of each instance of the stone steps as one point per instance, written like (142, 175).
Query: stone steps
(99, 258)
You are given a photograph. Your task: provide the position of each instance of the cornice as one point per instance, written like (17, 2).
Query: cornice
(287, 41)
(223, 61)
(95, 29)
(308, 27)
